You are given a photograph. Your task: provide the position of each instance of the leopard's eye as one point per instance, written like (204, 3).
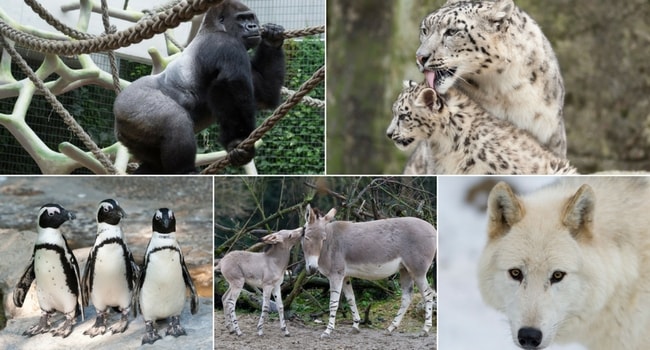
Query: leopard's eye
(450, 32)
(402, 117)
(424, 31)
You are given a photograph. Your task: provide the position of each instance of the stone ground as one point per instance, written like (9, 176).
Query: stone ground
(307, 336)
(20, 199)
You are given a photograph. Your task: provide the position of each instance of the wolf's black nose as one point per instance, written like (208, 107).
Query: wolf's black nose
(529, 338)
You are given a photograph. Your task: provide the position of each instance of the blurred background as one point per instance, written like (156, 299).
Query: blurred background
(602, 48)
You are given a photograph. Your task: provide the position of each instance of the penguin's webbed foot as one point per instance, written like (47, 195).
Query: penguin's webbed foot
(42, 326)
(151, 334)
(99, 327)
(120, 326)
(65, 329)
(175, 329)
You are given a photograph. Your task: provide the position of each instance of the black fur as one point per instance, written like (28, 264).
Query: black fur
(214, 80)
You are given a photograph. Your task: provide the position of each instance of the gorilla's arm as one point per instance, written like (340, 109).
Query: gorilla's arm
(268, 66)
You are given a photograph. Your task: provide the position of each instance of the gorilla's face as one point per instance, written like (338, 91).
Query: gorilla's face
(243, 24)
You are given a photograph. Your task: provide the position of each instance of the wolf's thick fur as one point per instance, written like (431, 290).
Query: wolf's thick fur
(571, 262)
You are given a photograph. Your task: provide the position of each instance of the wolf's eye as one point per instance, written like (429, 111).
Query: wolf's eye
(516, 274)
(557, 276)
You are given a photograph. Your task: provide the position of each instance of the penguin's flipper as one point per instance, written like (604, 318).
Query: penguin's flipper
(134, 281)
(87, 278)
(20, 291)
(194, 302)
(75, 266)
(136, 293)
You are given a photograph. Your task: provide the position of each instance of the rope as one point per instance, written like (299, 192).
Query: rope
(289, 34)
(58, 107)
(108, 29)
(142, 30)
(307, 101)
(278, 114)
(51, 20)
(165, 7)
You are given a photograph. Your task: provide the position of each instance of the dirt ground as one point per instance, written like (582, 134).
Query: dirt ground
(307, 336)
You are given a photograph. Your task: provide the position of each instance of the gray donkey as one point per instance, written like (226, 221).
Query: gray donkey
(370, 250)
(263, 270)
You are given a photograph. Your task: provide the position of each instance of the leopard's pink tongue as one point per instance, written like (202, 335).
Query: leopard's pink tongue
(430, 77)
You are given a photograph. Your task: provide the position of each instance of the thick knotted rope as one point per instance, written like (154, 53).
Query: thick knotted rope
(144, 29)
(44, 14)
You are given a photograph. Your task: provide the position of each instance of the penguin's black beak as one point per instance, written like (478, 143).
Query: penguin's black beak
(166, 222)
(71, 215)
(121, 212)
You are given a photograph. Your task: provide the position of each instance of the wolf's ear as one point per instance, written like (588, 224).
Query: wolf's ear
(578, 213)
(504, 210)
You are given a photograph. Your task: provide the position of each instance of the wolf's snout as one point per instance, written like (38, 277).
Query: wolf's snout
(529, 338)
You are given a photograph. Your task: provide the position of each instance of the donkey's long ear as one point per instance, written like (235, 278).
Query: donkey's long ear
(504, 210)
(271, 239)
(578, 213)
(330, 215)
(310, 216)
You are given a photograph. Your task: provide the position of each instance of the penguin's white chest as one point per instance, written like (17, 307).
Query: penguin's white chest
(51, 288)
(163, 290)
(110, 286)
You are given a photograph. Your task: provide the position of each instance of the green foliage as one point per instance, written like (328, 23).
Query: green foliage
(296, 145)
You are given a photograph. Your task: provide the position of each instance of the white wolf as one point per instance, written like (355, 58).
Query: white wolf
(571, 262)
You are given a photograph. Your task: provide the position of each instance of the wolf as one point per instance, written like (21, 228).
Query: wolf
(571, 262)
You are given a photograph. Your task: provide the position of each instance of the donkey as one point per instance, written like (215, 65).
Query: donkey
(262, 270)
(370, 250)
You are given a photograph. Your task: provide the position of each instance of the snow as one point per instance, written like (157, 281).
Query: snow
(464, 321)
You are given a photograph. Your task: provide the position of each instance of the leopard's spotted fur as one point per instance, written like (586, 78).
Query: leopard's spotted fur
(465, 139)
(498, 56)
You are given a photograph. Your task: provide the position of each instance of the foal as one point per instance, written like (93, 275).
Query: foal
(263, 270)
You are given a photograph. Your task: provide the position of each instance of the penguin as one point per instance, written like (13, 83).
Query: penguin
(111, 275)
(55, 269)
(164, 279)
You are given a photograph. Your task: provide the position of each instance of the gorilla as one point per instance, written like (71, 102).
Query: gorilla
(213, 80)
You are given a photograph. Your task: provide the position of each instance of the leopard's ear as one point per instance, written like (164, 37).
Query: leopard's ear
(500, 10)
(429, 99)
(408, 84)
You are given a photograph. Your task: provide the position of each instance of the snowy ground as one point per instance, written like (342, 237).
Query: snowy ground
(464, 321)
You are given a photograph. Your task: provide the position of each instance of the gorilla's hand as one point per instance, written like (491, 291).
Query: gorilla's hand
(240, 156)
(273, 34)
